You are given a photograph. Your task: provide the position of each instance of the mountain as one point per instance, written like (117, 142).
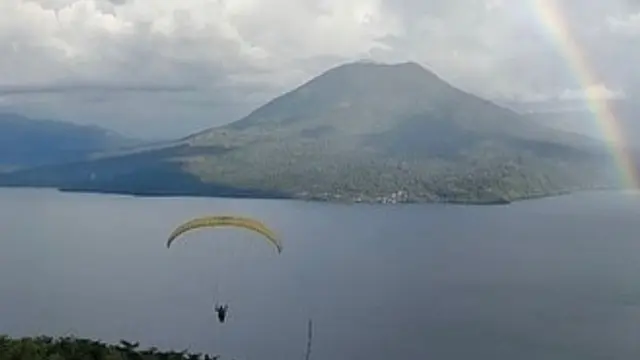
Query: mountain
(358, 132)
(26, 142)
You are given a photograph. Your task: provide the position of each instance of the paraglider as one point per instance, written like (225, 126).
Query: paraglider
(214, 221)
(222, 221)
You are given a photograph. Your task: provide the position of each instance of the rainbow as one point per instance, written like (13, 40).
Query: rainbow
(551, 16)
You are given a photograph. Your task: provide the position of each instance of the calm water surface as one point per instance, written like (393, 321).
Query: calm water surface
(546, 279)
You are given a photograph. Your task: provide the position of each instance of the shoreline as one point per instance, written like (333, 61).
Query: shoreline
(275, 196)
(266, 195)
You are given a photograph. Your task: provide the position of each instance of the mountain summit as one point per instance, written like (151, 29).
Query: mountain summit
(360, 90)
(362, 132)
(369, 101)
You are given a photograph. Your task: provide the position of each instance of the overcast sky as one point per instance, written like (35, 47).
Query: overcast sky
(170, 67)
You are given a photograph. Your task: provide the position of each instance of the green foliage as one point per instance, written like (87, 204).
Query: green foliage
(71, 348)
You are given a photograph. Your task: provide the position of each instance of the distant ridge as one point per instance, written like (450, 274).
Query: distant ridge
(26, 142)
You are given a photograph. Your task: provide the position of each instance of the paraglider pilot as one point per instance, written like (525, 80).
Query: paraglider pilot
(221, 310)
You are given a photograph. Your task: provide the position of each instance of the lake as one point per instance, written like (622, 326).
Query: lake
(555, 278)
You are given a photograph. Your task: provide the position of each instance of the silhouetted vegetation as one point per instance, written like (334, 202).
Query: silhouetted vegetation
(71, 348)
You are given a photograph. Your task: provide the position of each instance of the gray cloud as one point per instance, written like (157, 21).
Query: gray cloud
(96, 88)
(173, 67)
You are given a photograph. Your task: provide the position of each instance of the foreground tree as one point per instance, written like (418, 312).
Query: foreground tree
(72, 348)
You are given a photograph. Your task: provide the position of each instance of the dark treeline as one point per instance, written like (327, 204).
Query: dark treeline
(72, 348)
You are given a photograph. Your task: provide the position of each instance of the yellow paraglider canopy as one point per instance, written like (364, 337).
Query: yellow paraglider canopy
(237, 221)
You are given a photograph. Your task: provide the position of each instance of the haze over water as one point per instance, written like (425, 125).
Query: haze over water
(555, 278)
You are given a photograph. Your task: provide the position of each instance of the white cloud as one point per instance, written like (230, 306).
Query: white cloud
(591, 92)
(598, 91)
(628, 25)
(97, 38)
